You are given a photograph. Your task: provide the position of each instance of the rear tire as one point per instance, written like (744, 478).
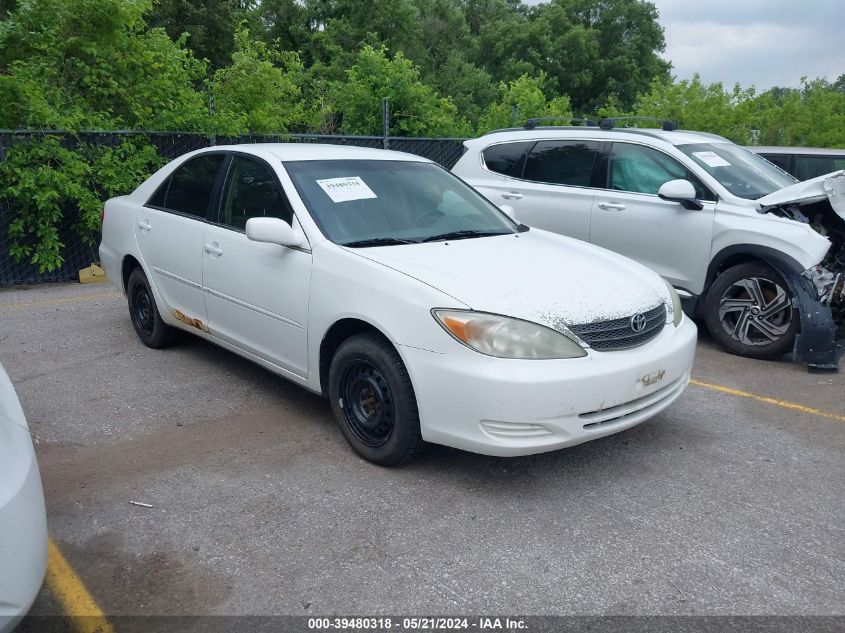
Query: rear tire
(749, 311)
(143, 311)
(373, 400)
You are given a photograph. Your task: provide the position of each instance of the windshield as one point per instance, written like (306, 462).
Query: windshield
(385, 202)
(743, 173)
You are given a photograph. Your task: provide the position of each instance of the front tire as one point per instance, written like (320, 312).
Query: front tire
(749, 311)
(373, 400)
(143, 311)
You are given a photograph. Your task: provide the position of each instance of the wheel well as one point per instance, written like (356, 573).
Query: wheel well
(129, 264)
(336, 335)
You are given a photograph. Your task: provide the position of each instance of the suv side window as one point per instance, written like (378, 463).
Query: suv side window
(807, 167)
(251, 191)
(641, 169)
(506, 158)
(562, 162)
(189, 188)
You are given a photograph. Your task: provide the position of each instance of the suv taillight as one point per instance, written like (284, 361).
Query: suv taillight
(103, 216)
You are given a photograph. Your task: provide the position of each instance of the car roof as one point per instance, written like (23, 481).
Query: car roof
(815, 151)
(674, 137)
(319, 151)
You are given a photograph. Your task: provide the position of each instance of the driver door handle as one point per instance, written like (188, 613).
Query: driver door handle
(512, 195)
(612, 206)
(144, 225)
(214, 251)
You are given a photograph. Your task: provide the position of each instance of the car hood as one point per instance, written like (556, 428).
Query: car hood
(830, 186)
(536, 276)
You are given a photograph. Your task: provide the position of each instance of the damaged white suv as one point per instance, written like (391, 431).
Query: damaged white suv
(746, 246)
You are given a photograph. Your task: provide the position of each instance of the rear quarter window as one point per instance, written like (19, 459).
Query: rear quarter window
(506, 158)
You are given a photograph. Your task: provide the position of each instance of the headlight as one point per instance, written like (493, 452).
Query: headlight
(674, 311)
(504, 337)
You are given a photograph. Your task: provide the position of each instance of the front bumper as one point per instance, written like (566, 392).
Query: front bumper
(519, 407)
(23, 542)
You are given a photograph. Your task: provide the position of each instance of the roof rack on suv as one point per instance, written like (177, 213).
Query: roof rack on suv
(610, 122)
(530, 124)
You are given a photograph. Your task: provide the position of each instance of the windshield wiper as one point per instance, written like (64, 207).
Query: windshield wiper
(461, 235)
(379, 241)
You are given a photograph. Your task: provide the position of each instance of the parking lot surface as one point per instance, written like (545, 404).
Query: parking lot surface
(723, 504)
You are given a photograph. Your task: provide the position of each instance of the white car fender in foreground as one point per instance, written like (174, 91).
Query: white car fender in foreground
(23, 519)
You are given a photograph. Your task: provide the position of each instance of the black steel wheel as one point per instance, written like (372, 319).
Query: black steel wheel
(373, 400)
(749, 310)
(367, 403)
(146, 320)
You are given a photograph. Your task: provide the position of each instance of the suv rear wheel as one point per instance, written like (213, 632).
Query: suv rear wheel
(749, 311)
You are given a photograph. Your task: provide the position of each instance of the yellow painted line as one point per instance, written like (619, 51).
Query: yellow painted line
(71, 593)
(46, 303)
(773, 401)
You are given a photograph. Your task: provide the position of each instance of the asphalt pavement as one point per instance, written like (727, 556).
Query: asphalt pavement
(722, 504)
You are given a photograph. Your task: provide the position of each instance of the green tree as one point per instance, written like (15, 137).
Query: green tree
(416, 109)
(259, 91)
(77, 64)
(522, 99)
(210, 25)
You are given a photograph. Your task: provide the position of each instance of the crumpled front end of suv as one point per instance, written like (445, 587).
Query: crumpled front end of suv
(820, 290)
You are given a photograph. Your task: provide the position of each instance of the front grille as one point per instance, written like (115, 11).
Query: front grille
(607, 336)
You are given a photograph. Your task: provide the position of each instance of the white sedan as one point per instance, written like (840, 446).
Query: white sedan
(423, 312)
(23, 520)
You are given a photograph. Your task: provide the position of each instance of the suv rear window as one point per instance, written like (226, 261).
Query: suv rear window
(562, 162)
(504, 158)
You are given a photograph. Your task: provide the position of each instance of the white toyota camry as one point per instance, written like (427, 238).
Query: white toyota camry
(423, 312)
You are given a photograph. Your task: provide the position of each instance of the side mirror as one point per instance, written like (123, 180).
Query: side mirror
(509, 211)
(680, 191)
(273, 231)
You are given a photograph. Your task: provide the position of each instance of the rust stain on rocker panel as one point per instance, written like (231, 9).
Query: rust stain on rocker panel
(181, 316)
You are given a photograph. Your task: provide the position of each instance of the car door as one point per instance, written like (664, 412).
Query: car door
(256, 293)
(554, 191)
(628, 216)
(169, 231)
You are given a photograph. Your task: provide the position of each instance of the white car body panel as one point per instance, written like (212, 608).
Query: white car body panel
(23, 519)
(275, 304)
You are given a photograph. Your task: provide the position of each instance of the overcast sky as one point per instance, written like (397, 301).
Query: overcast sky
(761, 42)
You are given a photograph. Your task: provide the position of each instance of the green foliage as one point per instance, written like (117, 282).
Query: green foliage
(259, 91)
(416, 109)
(91, 64)
(813, 115)
(49, 181)
(522, 99)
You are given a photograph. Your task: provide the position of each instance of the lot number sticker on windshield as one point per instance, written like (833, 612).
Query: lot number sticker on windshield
(711, 159)
(346, 189)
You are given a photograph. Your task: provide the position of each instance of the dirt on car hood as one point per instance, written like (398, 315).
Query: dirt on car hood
(536, 276)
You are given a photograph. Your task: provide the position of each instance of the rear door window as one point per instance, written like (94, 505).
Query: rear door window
(189, 188)
(807, 167)
(563, 162)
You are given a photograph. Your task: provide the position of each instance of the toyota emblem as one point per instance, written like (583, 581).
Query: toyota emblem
(638, 322)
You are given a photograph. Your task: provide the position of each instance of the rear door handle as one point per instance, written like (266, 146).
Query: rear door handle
(144, 226)
(612, 206)
(213, 250)
(512, 195)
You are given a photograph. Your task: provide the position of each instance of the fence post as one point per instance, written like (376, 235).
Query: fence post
(385, 122)
(212, 139)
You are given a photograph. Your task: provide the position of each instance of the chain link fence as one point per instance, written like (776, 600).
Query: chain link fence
(77, 254)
